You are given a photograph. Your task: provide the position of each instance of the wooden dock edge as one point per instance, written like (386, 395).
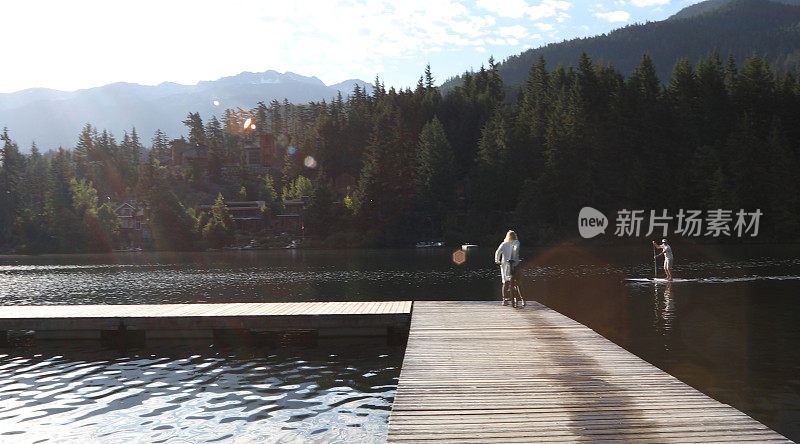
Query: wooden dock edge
(268, 323)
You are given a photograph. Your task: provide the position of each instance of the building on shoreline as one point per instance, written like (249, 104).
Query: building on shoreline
(246, 215)
(133, 228)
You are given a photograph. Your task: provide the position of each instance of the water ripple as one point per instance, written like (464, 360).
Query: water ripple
(63, 396)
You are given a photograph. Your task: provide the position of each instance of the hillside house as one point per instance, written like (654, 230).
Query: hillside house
(184, 155)
(291, 219)
(133, 227)
(246, 215)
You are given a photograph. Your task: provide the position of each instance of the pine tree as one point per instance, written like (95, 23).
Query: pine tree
(83, 150)
(169, 222)
(12, 167)
(35, 182)
(300, 187)
(136, 148)
(754, 93)
(533, 110)
(215, 137)
(493, 193)
(96, 234)
(383, 192)
(59, 211)
(731, 75)
(160, 149)
(260, 118)
(713, 103)
(324, 215)
(194, 123)
(219, 230)
(267, 193)
(435, 176)
(276, 120)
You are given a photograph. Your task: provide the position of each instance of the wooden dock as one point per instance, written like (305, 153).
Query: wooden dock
(481, 372)
(207, 320)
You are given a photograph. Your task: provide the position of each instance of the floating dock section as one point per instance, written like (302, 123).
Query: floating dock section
(481, 372)
(261, 321)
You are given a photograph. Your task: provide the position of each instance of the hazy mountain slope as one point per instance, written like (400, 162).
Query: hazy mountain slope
(710, 5)
(54, 118)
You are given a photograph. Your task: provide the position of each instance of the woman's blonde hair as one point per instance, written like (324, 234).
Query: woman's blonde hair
(510, 236)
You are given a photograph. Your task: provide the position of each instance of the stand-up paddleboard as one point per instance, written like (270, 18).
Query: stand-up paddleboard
(660, 280)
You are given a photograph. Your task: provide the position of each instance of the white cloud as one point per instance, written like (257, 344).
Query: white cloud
(519, 8)
(333, 40)
(517, 31)
(615, 16)
(643, 3)
(355, 37)
(504, 8)
(502, 42)
(472, 26)
(547, 8)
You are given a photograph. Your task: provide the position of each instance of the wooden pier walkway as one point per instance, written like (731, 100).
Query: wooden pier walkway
(481, 372)
(206, 320)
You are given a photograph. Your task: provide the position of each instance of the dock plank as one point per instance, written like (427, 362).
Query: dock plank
(281, 315)
(481, 372)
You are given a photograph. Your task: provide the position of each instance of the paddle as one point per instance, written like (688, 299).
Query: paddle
(655, 267)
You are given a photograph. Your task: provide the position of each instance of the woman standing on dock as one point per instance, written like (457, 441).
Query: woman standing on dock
(507, 256)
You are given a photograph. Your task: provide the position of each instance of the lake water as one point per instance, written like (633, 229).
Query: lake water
(732, 332)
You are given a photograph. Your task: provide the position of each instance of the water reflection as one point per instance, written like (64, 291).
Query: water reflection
(732, 332)
(663, 308)
(339, 392)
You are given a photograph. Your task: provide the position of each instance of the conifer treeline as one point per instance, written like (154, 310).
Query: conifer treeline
(463, 167)
(731, 26)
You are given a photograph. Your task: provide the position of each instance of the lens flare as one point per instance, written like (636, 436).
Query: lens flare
(216, 103)
(291, 150)
(310, 162)
(459, 257)
(253, 126)
(247, 123)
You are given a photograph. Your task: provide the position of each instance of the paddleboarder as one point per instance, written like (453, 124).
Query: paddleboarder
(666, 250)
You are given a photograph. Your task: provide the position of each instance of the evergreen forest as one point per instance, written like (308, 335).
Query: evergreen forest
(463, 167)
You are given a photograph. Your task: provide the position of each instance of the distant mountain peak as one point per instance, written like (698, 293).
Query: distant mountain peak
(263, 78)
(121, 105)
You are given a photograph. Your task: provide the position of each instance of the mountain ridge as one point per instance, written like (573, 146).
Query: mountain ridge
(712, 5)
(54, 118)
(738, 27)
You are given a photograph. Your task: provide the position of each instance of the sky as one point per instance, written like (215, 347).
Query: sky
(69, 45)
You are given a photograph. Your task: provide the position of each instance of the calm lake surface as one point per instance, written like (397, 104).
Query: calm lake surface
(732, 332)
